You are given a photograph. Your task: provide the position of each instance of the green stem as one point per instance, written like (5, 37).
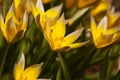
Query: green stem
(4, 59)
(59, 73)
(64, 67)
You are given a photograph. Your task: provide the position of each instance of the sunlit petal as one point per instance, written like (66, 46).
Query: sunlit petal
(32, 72)
(72, 37)
(19, 68)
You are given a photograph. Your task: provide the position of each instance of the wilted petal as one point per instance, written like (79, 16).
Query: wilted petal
(32, 72)
(19, 68)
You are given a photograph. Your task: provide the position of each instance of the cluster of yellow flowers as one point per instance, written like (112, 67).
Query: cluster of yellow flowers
(53, 27)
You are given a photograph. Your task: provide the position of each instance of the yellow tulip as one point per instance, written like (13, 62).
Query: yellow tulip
(85, 3)
(102, 36)
(40, 14)
(112, 17)
(102, 6)
(55, 35)
(20, 6)
(30, 73)
(13, 29)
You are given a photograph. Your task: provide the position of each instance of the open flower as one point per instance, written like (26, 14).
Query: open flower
(102, 36)
(30, 73)
(55, 35)
(40, 14)
(13, 29)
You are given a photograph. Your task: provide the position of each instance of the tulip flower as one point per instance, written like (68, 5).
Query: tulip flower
(82, 3)
(13, 29)
(20, 6)
(30, 73)
(55, 35)
(102, 6)
(102, 35)
(112, 17)
(40, 14)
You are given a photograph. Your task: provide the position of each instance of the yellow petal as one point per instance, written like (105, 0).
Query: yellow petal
(77, 15)
(112, 17)
(19, 8)
(11, 29)
(102, 6)
(2, 26)
(25, 21)
(69, 39)
(28, 6)
(77, 45)
(102, 26)
(38, 9)
(112, 30)
(103, 41)
(59, 29)
(11, 14)
(82, 3)
(39, 6)
(93, 28)
(19, 68)
(53, 13)
(32, 72)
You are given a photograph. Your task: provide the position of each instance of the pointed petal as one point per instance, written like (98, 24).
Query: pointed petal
(102, 26)
(39, 5)
(112, 17)
(19, 68)
(58, 30)
(25, 21)
(101, 7)
(93, 28)
(32, 72)
(82, 3)
(35, 11)
(19, 6)
(112, 30)
(77, 45)
(69, 39)
(11, 14)
(2, 26)
(54, 12)
(77, 15)
(11, 29)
